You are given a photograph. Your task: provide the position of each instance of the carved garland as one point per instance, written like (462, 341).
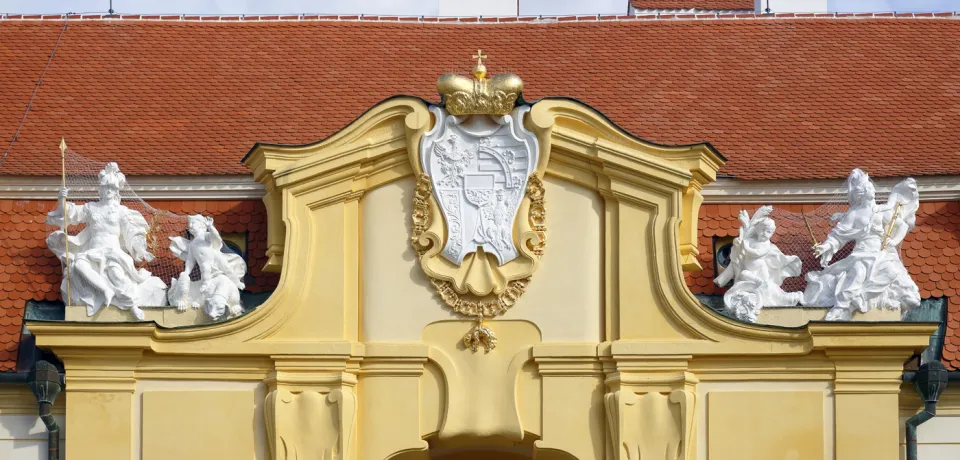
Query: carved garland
(475, 307)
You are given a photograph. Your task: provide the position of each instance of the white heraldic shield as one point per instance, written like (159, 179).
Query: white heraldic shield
(479, 166)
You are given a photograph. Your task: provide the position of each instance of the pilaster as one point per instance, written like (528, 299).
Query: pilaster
(868, 364)
(650, 404)
(572, 382)
(866, 403)
(100, 384)
(321, 373)
(390, 403)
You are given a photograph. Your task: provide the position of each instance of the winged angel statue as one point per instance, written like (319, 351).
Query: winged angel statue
(757, 268)
(221, 274)
(872, 276)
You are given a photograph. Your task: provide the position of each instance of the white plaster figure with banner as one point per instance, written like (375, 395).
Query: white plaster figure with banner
(873, 275)
(102, 257)
(221, 274)
(757, 268)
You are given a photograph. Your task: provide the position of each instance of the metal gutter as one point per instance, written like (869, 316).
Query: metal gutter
(46, 382)
(929, 380)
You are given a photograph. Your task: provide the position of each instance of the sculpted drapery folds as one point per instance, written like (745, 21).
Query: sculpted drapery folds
(102, 256)
(221, 275)
(758, 268)
(872, 276)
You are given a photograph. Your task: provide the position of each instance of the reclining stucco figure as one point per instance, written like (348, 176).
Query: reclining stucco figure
(221, 274)
(758, 268)
(102, 257)
(872, 276)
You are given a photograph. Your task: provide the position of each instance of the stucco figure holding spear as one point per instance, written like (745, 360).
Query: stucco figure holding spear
(100, 268)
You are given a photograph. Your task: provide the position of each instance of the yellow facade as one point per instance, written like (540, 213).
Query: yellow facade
(606, 356)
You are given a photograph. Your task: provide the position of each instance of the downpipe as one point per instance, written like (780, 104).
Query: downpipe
(45, 382)
(929, 412)
(929, 380)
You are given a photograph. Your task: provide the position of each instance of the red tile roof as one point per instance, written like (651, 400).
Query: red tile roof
(781, 98)
(29, 271)
(691, 4)
(931, 254)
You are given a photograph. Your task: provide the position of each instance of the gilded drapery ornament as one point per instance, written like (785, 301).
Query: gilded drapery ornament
(470, 306)
(477, 171)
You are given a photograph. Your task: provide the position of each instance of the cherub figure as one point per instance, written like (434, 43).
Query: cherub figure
(872, 276)
(757, 268)
(101, 262)
(221, 274)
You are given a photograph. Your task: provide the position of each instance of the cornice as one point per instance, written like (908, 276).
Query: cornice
(232, 187)
(932, 188)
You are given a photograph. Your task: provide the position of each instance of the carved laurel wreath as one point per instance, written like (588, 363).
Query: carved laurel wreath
(470, 305)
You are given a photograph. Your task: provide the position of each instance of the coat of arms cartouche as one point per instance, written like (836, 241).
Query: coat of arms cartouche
(479, 219)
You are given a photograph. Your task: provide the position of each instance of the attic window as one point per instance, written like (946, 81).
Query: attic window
(235, 243)
(722, 245)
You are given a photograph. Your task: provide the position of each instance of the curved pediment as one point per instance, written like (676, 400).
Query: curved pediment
(605, 343)
(647, 196)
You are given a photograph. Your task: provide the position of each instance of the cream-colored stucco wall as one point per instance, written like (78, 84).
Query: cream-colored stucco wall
(23, 437)
(22, 434)
(939, 437)
(198, 419)
(563, 301)
(774, 410)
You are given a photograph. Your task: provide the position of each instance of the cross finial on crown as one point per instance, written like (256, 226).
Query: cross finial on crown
(479, 95)
(480, 57)
(479, 70)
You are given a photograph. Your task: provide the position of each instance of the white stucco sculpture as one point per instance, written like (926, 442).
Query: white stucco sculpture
(479, 166)
(872, 276)
(102, 257)
(757, 268)
(221, 274)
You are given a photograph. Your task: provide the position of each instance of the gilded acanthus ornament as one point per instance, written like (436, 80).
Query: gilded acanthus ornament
(477, 171)
(469, 305)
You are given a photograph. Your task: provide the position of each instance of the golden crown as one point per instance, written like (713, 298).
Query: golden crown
(479, 95)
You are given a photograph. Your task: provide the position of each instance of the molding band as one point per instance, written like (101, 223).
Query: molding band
(932, 188)
(233, 187)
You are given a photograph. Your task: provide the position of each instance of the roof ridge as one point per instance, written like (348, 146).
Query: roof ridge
(641, 16)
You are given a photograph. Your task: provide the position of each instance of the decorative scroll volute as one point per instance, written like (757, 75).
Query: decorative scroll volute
(651, 425)
(479, 220)
(310, 424)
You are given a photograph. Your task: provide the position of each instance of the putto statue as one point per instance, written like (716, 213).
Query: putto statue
(757, 268)
(100, 266)
(221, 274)
(872, 276)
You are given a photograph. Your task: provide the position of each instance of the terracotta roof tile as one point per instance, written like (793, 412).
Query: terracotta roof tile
(797, 98)
(692, 4)
(933, 271)
(34, 274)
